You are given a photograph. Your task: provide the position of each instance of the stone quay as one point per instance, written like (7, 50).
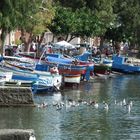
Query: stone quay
(16, 96)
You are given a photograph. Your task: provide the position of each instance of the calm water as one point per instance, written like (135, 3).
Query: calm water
(83, 122)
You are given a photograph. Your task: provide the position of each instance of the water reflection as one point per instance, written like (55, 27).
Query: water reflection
(83, 121)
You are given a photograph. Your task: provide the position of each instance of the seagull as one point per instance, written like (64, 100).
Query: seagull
(58, 107)
(32, 137)
(85, 103)
(73, 104)
(131, 103)
(62, 103)
(55, 103)
(96, 105)
(129, 108)
(70, 100)
(124, 102)
(79, 100)
(106, 106)
(43, 105)
(115, 102)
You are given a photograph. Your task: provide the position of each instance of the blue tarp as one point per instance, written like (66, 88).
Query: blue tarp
(59, 60)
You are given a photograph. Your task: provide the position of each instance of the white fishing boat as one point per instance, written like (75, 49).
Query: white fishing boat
(47, 81)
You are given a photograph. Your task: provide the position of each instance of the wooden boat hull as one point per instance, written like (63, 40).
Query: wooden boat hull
(71, 72)
(102, 69)
(70, 63)
(72, 79)
(62, 68)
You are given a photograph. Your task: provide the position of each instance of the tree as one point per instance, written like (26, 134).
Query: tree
(75, 23)
(82, 18)
(36, 23)
(30, 17)
(7, 23)
(12, 15)
(127, 22)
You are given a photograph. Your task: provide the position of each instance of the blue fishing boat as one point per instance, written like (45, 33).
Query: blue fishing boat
(65, 64)
(84, 56)
(38, 81)
(123, 65)
(19, 75)
(101, 65)
(47, 84)
(74, 65)
(107, 62)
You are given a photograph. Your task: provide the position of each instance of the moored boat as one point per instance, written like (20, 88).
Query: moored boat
(65, 65)
(102, 69)
(68, 65)
(121, 64)
(74, 79)
(5, 76)
(38, 80)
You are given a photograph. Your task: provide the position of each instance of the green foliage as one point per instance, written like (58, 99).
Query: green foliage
(30, 16)
(74, 4)
(82, 17)
(86, 22)
(17, 42)
(127, 21)
(38, 18)
(25, 14)
(115, 19)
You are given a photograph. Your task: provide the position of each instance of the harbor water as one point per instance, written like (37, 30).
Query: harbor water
(120, 121)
